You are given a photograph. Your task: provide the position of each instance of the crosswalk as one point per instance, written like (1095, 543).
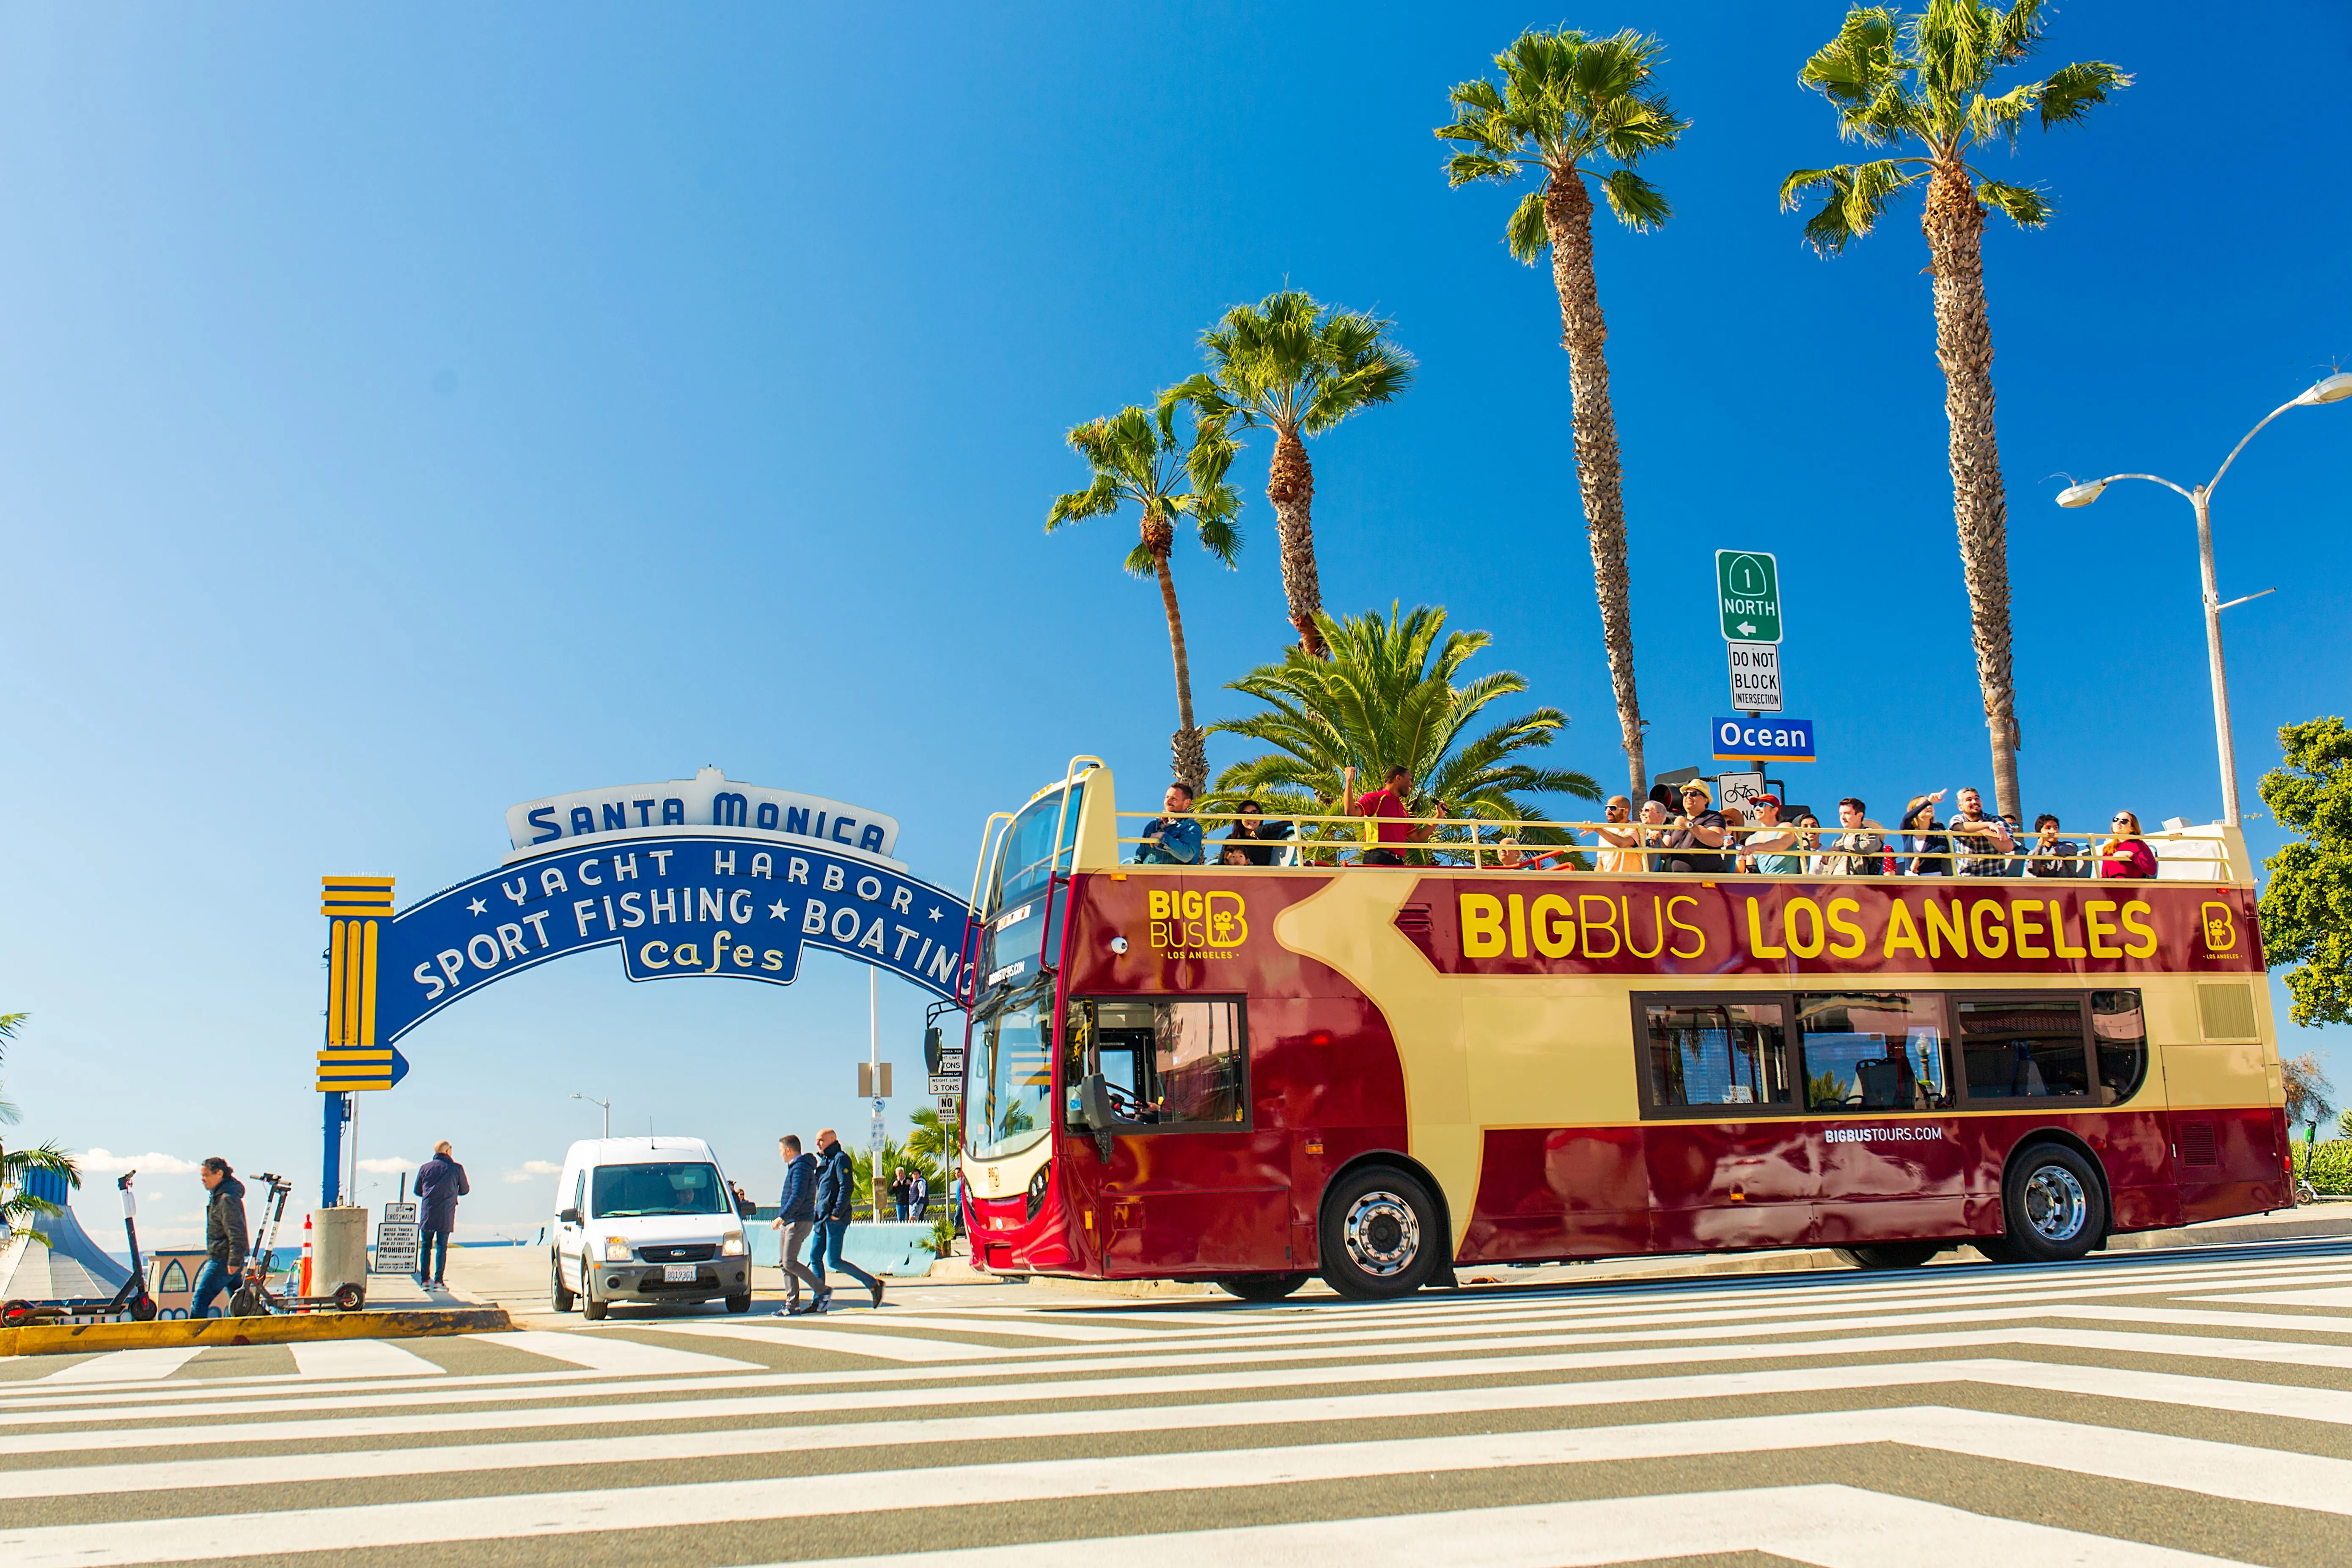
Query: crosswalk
(2139, 1409)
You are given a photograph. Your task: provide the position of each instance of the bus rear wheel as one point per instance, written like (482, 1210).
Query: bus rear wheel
(1380, 1234)
(2053, 1203)
(1262, 1287)
(1887, 1255)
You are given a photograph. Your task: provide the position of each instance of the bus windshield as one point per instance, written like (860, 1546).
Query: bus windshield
(1025, 860)
(1009, 1074)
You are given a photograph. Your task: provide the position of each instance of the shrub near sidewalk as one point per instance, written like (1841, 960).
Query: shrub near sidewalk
(2327, 1168)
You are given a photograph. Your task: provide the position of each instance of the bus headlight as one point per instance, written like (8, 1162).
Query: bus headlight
(731, 1244)
(616, 1249)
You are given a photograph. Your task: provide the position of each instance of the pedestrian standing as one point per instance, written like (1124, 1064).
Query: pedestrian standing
(439, 1184)
(836, 1180)
(919, 1193)
(795, 1217)
(223, 1236)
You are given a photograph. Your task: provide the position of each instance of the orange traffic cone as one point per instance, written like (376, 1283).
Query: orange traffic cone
(306, 1255)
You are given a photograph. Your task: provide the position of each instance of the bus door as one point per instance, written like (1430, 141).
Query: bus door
(1190, 1186)
(1730, 1163)
(1876, 1071)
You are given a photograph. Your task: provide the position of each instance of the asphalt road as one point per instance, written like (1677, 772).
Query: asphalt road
(2139, 1408)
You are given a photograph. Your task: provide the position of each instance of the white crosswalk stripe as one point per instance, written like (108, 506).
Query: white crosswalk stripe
(2201, 1404)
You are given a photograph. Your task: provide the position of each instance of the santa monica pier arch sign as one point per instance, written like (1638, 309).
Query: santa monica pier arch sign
(700, 879)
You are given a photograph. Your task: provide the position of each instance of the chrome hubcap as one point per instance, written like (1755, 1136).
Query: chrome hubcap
(2055, 1204)
(1383, 1235)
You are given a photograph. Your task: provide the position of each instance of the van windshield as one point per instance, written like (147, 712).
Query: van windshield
(665, 1187)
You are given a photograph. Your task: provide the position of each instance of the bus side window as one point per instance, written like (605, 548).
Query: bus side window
(1879, 1050)
(2025, 1047)
(1716, 1053)
(2119, 1034)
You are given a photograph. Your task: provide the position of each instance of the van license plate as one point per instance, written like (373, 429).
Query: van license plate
(677, 1273)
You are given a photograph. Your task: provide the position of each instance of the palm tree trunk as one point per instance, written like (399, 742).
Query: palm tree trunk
(1188, 748)
(1584, 332)
(1954, 223)
(1290, 486)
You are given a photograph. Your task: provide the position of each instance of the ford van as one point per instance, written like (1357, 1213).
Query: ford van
(640, 1220)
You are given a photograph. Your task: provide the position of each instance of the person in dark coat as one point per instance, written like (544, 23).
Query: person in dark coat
(795, 1219)
(223, 1236)
(439, 1184)
(836, 1181)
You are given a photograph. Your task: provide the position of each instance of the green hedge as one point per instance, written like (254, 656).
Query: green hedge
(2329, 1167)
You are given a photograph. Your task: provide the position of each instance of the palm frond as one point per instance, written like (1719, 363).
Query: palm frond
(1638, 204)
(1527, 234)
(2072, 91)
(1852, 197)
(2026, 206)
(1856, 67)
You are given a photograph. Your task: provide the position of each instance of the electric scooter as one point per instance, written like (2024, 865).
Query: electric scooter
(132, 1300)
(253, 1298)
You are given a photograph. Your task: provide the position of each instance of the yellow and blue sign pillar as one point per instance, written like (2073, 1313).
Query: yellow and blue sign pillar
(356, 907)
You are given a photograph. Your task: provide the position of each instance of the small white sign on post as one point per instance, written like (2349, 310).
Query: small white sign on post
(946, 1085)
(1755, 677)
(1738, 790)
(397, 1246)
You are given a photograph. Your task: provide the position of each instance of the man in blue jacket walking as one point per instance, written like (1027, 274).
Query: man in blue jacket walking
(795, 1217)
(836, 1180)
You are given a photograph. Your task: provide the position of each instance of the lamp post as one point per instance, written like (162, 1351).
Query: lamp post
(607, 1107)
(2332, 389)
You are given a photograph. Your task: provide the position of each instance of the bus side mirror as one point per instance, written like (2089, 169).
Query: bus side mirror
(1094, 1111)
(569, 1216)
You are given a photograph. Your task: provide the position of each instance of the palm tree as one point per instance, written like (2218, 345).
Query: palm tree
(1567, 105)
(1138, 456)
(1386, 698)
(1922, 81)
(930, 1139)
(9, 1024)
(1297, 368)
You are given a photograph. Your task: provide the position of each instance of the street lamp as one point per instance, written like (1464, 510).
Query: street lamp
(608, 1109)
(2332, 389)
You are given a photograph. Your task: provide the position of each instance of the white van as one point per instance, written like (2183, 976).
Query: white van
(646, 1219)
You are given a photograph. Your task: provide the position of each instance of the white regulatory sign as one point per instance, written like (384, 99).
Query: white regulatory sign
(1738, 790)
(1755, 677)
(946, 1085)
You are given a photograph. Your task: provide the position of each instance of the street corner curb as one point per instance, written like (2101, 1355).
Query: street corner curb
(72, 1339)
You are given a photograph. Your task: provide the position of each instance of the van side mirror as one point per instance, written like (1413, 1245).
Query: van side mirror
(1094, 1111)
(569, 1216)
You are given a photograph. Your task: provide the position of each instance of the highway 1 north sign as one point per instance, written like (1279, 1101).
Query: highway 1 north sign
(1748, 589)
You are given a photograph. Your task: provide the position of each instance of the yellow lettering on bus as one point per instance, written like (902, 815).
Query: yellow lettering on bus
(1192, 903)
(2135, 915)
(1756, 942)
(1482, 925)
(1608, 922)
(1155, 905)
(1518, 926)
(1943, 928)
(2058, 931)
(1657, 926)
(2026, 925)
(1852, 929)
(2097, 930)
(1555, 926)
(1686, 925)
(1901, 935)
(1993, 942)
(1811, 947)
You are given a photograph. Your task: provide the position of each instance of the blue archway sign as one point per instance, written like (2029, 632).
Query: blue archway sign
(730, 900)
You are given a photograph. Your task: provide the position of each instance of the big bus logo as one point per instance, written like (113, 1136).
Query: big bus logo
(2220, 930)
(1192, 922)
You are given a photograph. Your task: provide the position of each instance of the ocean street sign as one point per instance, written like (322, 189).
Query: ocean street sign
(1747, 591)
(1752, 740)
(1755, 676)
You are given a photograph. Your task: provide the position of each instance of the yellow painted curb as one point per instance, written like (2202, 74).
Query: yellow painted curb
(66, 1339)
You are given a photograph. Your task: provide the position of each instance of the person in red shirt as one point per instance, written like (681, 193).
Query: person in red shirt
(1387, 803)
(2126, 854)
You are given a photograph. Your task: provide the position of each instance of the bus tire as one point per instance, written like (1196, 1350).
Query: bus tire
(1888, 1255)
(1262, 1287)
(1380, 1234)
(2054, 1203)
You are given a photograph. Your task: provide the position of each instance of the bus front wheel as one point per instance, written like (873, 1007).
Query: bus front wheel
(1262, 1287)
(1380, 1234)
(2055, 1207)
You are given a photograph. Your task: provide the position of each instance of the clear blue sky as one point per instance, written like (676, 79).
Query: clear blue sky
(405, 412)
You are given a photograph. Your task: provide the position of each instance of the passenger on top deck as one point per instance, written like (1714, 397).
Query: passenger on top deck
(1982, 840)
(1771, 844)
(1173, 840)
(1620, 837)
(2053, 856)
(2127, 855)
(1856, 852)
(1697, 835)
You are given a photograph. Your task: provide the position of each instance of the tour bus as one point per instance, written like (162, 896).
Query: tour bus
(1252, 1075)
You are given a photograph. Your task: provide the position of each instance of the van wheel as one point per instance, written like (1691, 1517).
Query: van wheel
(2053, 1203)
(556, 1286)
(739, 1303)
(1887, 1255)
(1262, 1287)
(591, 1308)
(1380, 1236)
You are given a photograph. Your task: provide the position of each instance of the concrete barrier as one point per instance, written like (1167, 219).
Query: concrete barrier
(900, 1248)
(70, 1339)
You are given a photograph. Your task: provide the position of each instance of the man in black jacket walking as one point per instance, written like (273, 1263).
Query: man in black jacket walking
(223, 1236)
(836, 1180)
(440, 1182)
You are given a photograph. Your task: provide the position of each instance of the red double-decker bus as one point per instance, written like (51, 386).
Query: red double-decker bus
(1256, 1074)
